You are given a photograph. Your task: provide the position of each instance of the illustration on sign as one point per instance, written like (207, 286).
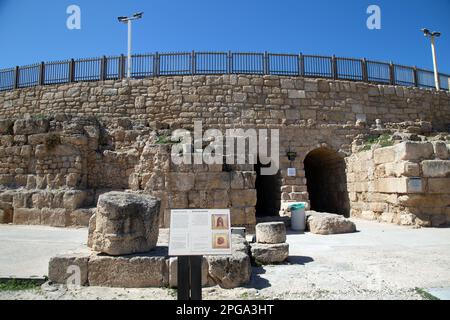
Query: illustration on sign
(200, 232)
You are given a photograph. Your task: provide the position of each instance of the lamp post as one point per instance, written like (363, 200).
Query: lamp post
(432, 36)
(128, 21)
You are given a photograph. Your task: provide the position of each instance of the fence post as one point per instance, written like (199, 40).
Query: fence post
(229, 62)
(334, 67)
(121, 74)
(42, 74)
(266, 67)
(71, 70)
(193, 63)
(156, 65)
(392, 73)
(103, 68)
(365, 74)
(16, 77)
(301, 65)
(416, 77)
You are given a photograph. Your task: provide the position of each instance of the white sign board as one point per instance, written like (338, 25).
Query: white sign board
(195, 232)
(292, 172)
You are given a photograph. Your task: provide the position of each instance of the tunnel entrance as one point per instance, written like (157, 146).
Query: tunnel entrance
(327, 182)
(268, 190)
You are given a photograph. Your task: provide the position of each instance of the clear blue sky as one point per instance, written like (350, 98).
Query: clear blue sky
(33, 31)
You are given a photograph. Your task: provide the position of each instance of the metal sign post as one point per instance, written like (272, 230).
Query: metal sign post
(189, 277)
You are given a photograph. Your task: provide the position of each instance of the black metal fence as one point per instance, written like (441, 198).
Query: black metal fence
(215, 63)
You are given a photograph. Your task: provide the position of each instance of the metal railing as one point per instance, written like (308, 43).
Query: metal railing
(216, 63)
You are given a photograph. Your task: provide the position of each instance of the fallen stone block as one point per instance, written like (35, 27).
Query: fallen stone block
(231, 271)
(327, 223)
(270, 253)
(271, 232)
(125, 223)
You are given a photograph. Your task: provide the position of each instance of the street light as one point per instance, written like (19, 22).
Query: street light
(433, 35)
(128, 20)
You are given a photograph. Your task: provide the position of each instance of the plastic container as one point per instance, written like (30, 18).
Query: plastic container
(298, 216)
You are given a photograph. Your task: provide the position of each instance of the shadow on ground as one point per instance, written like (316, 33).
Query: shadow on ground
(257, 282)
(300, 260)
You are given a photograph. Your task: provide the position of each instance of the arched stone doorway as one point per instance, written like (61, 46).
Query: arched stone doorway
(327, 181)
(268, 190)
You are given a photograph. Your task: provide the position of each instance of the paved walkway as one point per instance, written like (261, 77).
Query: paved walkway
(26, 250)
(381, 261)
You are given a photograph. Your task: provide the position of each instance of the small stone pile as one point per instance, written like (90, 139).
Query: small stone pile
(270, 246)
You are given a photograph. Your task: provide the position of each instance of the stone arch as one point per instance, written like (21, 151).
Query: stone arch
(326, 181)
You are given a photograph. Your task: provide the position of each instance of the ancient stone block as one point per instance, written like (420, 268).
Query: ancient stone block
(436, 168)
(441, 150)
(270, 253)
(181, 181)
(230, 271)
(134, 271)
(384, 155)
(212, 180)
(243, 198)
(414, 150)
(439, 185)
(126, 223)
(53, 217)
(74, 199)
(65, 266)
(27, 216)
(271, 232)
(30, 126)
(79, 217)
(325, 224)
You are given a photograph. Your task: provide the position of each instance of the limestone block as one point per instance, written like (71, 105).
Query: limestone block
(6, 215)
(441, 150)
(125, 223)
(296, 94)
(74, 199)
(237, 216)
(325, 224)
(237, 180)
(270, 253)
(53, 217)
(179, 181)
(79, 217)
(384, 155)
(63, 266)
(30, 126)
(212, 180)
(436, 168)
(271, 232)
(402, 168)
(133, 271)
(230, 271)
(6, 126)
(414, 150)
(439, 185)
(27, 216)
(397, 185)
(243, 198)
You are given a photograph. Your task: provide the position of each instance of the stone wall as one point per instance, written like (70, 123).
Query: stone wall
(407, 184)
(231, 100)
(99, 136)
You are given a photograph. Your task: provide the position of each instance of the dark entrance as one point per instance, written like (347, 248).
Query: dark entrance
(268, 189)
(327, 182)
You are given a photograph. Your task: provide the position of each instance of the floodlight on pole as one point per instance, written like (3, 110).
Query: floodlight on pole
(432, 35)
(128, 21)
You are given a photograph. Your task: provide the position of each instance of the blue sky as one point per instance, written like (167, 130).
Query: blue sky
(33, 31)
